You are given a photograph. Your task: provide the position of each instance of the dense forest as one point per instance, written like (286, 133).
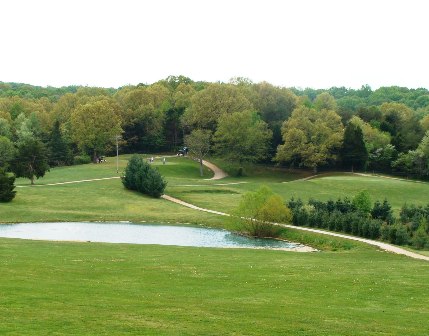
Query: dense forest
(383, 130)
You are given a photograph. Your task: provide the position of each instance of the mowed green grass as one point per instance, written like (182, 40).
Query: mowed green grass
(108, 289)
(104, 200)
(323, 187)
(69, 288)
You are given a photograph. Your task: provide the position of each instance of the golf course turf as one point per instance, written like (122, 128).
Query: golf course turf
(105, 289)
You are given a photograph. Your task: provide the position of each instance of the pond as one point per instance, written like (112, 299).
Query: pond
(138, 234)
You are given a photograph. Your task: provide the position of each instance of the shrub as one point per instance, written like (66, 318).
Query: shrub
(382, 211)
(362, 202)
(82, 159)
(7, 184)
(420, 239)
(401, 237)
(395, 234)
(344, 206)
(257, 211)
(142, 177)
(295, 203)
(410, 211)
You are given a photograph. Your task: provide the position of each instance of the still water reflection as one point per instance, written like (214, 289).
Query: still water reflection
(136, 234)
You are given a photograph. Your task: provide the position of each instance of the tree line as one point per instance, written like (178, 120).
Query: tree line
(383, 130)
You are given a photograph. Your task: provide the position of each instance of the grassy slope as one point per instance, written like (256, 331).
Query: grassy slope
(322, 188)
(100, 200)
(82, 288)
(105, 289)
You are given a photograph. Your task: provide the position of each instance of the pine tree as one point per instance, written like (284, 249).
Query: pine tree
(59, 150)
(353, 152)
(6, 186)
(142, 177)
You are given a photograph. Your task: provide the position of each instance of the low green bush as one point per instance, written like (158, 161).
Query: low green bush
(142, 177)
(81, 159)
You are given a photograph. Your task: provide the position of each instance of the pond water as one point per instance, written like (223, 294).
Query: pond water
(137, 234)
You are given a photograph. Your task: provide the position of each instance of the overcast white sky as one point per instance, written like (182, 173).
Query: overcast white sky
(303, 43)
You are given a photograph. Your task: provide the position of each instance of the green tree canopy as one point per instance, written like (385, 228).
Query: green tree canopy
(31, 160)
(216, 100)
(95, 125)
(242, 137)
(5, 129)
(60, 153)
(373, 137)
(402, 123)
(7, 151)
(311, 137)
(324, 101)
(354, 154)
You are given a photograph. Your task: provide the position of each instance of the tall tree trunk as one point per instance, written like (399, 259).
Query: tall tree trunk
(201, 167)
(31, 174)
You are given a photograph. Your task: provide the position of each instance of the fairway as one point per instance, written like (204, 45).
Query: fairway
(105, 289)
(397, 192)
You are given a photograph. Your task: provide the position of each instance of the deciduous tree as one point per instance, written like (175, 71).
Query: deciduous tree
(199, 144)
(257, 211)
(242, 137)
(31, 160)
(311, 137)
(95, 125)
(7, 151)
(214, 101)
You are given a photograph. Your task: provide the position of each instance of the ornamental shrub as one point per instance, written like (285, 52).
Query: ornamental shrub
(142, 177)
(362, 202)
(382, 211)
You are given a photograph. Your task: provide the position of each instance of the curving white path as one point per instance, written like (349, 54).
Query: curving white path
(218, 173)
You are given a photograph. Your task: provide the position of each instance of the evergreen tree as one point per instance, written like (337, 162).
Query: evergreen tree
(142, 177)
(60, 153)
(6, 186)
(353, 151)
(382, 211)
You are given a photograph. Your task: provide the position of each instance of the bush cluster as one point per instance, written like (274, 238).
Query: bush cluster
(340, 216)
(344, 215)
(82, 159)
(142, 177)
